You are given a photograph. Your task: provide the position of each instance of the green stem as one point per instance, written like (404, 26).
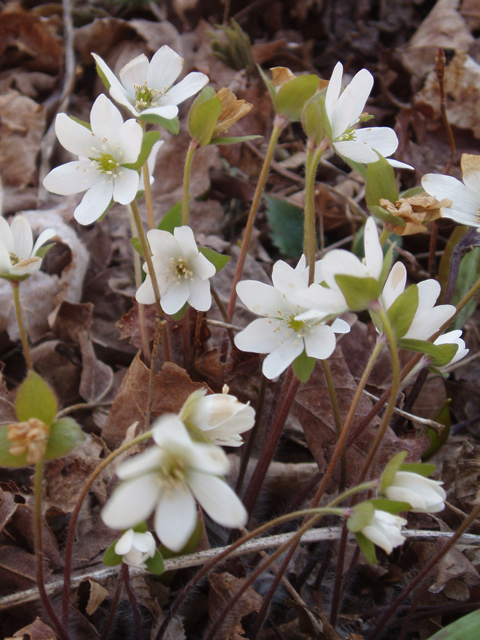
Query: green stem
(138, 282)
(37, 523)
(309, 238)
(75, 513)
(21, 325)
(192, 147)
(384, 236)
(393, 393)
(279, 124)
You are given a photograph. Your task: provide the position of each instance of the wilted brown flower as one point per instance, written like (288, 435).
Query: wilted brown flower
(232, 111)
(280, 75)
(416, 210)
(30, 437)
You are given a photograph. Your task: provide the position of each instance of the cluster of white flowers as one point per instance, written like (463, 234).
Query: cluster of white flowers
(167, 478)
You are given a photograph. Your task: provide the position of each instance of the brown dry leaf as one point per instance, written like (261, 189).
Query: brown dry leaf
(455, 565)
(22, 522)
(7, 508)
(97, 377)
(172, 387)
(29, 41)
(90, 595)
(157, 34)
(462, 94)
(38, 630)
(100, 36)
(129, 326)
(22, 125)
(443, 27)
(224, 586)
(17, 569)
(60, 366)
(69, 319)
(461, 474)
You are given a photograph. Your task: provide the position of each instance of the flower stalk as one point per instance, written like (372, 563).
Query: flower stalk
(192, 147)
(279, 124)
(21, 324)
(314, 155)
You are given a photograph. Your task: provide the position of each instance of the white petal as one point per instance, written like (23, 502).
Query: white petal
(163, 243)
(43, 238)
(428, 292)
(324, 301)
(145, 462)
(341, 262)
(74, 136)
(72, 177)
(175, 518)
(6, 236)
(130, 137)
(356, 151)
(186, 240)
(94, 202)
(399, 165)
(164, 69)
(373, 250)
(202, 267)
(200, 297)
(459, 215)
(382, 139)
(351, 103)
(448, 187)
(175, 297)
(218, 499)
(121, 96)
(333, 91)
(169, 431)
(125, 187)
(189, 86)
(260, 336)
(395, 285)
(26, 266)
(144, 542)
(125, 543)
(115, 84)
(320, 343)
(167, 111)
(5, 263)
(145, 293)
(22, 237)
(134, 73)
(277, 361)
(261, 298)
(105, 119)
(340, 326)
(287, 280)
(425, 324)
(132, 502)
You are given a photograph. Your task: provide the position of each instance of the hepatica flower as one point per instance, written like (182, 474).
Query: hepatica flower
(385, 530)
(344, 109)
(281, 333)
(102, 154)
(18, 254)
(219, 415)
(423, 494)
(182, 271)
(167, 479)
(135, 548)
(465, 197)
(147, 88)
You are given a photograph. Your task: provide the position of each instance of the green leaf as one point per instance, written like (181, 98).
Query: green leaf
(271, 89)
(358, 292)
(217, 259)
(419, 468)
(42, 251)
(391, 506)
(110, 558)
(232, 139)
(172, 219)
(141, 527)
(390, 470)
(293, 94)
(367, 547)
(206, 94)
(155, 565)
(65, 434)
(362, 516)
(179, 315)
(35, 399)
(303, 366)
(467, 628)
(439, 354)
(137, 245)
(202, 120)
(173, 125)
(438, 439)
(6, 458)
(386, 266)
(356, 166)
(403, 310)
(312, 118)
(286, 221)
(381, 182)
(148, 140)
(444, 267)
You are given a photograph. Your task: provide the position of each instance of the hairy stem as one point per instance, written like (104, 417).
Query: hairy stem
(21, 325)
(192, 147)
(138, 282)
(309, 237)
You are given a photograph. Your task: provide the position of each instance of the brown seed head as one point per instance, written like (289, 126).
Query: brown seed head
(232, 111)
(417, 211)
(30, 437)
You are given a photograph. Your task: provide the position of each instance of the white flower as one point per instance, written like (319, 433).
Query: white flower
(182, 272)
(101, 152)
(423, 494)
(385, 530)
(465, 197)
(453, 337)
(221, 416)
(145, 88)
(428, 318)
(136, 548)
(18, 258)
(343, 112)
(281, 333)
(166, 479)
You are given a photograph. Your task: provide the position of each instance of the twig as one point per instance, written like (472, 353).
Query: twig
(409, 416)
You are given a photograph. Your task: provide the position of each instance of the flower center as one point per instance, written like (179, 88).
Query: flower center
(146, 97)
(172, 474)
(349, 134)
(106, 163)
(295, 325)
(14, 259)
(180, 269)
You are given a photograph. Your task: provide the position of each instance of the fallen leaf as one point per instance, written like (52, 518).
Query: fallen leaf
(38, 630)
(90, 595)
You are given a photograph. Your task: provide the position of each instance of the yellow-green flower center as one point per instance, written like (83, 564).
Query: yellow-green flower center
(106, 163)
(14, 259)
(146, 97)
(181, 269)
(172, 474)
(295, 325)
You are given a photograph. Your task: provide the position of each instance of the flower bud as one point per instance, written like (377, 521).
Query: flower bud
(425, 495)
(135, 548)
(385, 530)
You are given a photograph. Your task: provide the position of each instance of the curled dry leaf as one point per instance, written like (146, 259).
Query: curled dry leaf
(38, 630)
